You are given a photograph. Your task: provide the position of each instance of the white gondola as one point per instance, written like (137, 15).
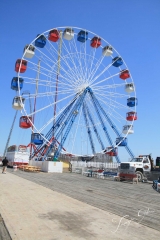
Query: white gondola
(29, 51)
(128, 129)
(18, 103)
(107, 51)
(68, 33)
(129, 87)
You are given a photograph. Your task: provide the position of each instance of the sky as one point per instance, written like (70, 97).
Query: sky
(132, 27)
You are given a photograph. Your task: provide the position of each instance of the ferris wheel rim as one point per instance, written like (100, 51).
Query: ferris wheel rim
(23, 58)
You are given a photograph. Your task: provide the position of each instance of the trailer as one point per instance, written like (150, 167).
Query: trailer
(17, 155)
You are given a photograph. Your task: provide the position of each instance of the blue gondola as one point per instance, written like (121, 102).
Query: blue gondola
(117, 61)
(82, 36)
(40, 41)
(122, 142)
(37, 138)
(131, 102)
(14, 83)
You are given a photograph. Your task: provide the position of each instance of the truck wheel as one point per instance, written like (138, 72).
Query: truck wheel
(139, 176)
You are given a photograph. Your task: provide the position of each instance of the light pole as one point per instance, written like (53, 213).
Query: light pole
(30, 105)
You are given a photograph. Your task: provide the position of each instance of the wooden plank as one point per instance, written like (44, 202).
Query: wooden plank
(120, 198)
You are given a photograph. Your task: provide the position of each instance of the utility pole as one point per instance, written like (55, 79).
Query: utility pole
(9, 136)
(35, 99)
(58, 71)
(36, 92)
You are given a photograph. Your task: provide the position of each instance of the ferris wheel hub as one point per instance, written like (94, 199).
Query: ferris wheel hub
(82, 87)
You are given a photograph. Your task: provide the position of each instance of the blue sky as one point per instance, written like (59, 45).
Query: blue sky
(132, 27)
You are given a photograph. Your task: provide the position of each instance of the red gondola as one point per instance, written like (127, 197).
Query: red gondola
(96, 42)
(53, 35)
(24, 122)
(112, 151)
(124, 74)
(130, 116)
(21, 65)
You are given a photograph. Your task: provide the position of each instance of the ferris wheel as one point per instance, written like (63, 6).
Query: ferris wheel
(80, 97)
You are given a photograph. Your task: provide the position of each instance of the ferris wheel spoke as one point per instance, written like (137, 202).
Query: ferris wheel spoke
(47, 94)
(50, 105)
(110, 94)
(113, 103)
(118, 117)
(82, 55)
(51, 71)
(40, 81)
(103, 80)
(54, 117)
(46, 83)
(50, 58)
(102, 72)
(52, 48)
(91, 60)
(74, 50)
(46, 58)
(110, 86)
(35, 67)
(93, 72)
(71, 58)
(85, 54)
(48, 75)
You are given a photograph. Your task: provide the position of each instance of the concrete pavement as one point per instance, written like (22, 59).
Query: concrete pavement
(33, 212)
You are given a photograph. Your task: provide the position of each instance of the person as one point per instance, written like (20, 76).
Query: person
(5, 163)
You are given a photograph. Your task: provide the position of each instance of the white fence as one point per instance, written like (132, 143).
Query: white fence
(94, 164)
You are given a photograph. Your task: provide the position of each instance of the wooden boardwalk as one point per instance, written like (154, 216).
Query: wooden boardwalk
(135, 202)
(4, 234)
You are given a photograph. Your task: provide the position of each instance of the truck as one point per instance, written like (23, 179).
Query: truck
(143, 166)
(17, 155)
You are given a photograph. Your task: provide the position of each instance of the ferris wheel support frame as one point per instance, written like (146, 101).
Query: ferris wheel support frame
(102, 122)
(110, 123)
(70, 120)
(95, 129)
(88, 129)
(54, 128)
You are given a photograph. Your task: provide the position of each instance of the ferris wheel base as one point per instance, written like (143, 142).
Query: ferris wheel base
(48, 166)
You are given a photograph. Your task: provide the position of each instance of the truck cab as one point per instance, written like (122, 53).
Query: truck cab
(142, 164)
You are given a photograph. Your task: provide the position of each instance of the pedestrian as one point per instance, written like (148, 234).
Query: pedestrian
(5, 163)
